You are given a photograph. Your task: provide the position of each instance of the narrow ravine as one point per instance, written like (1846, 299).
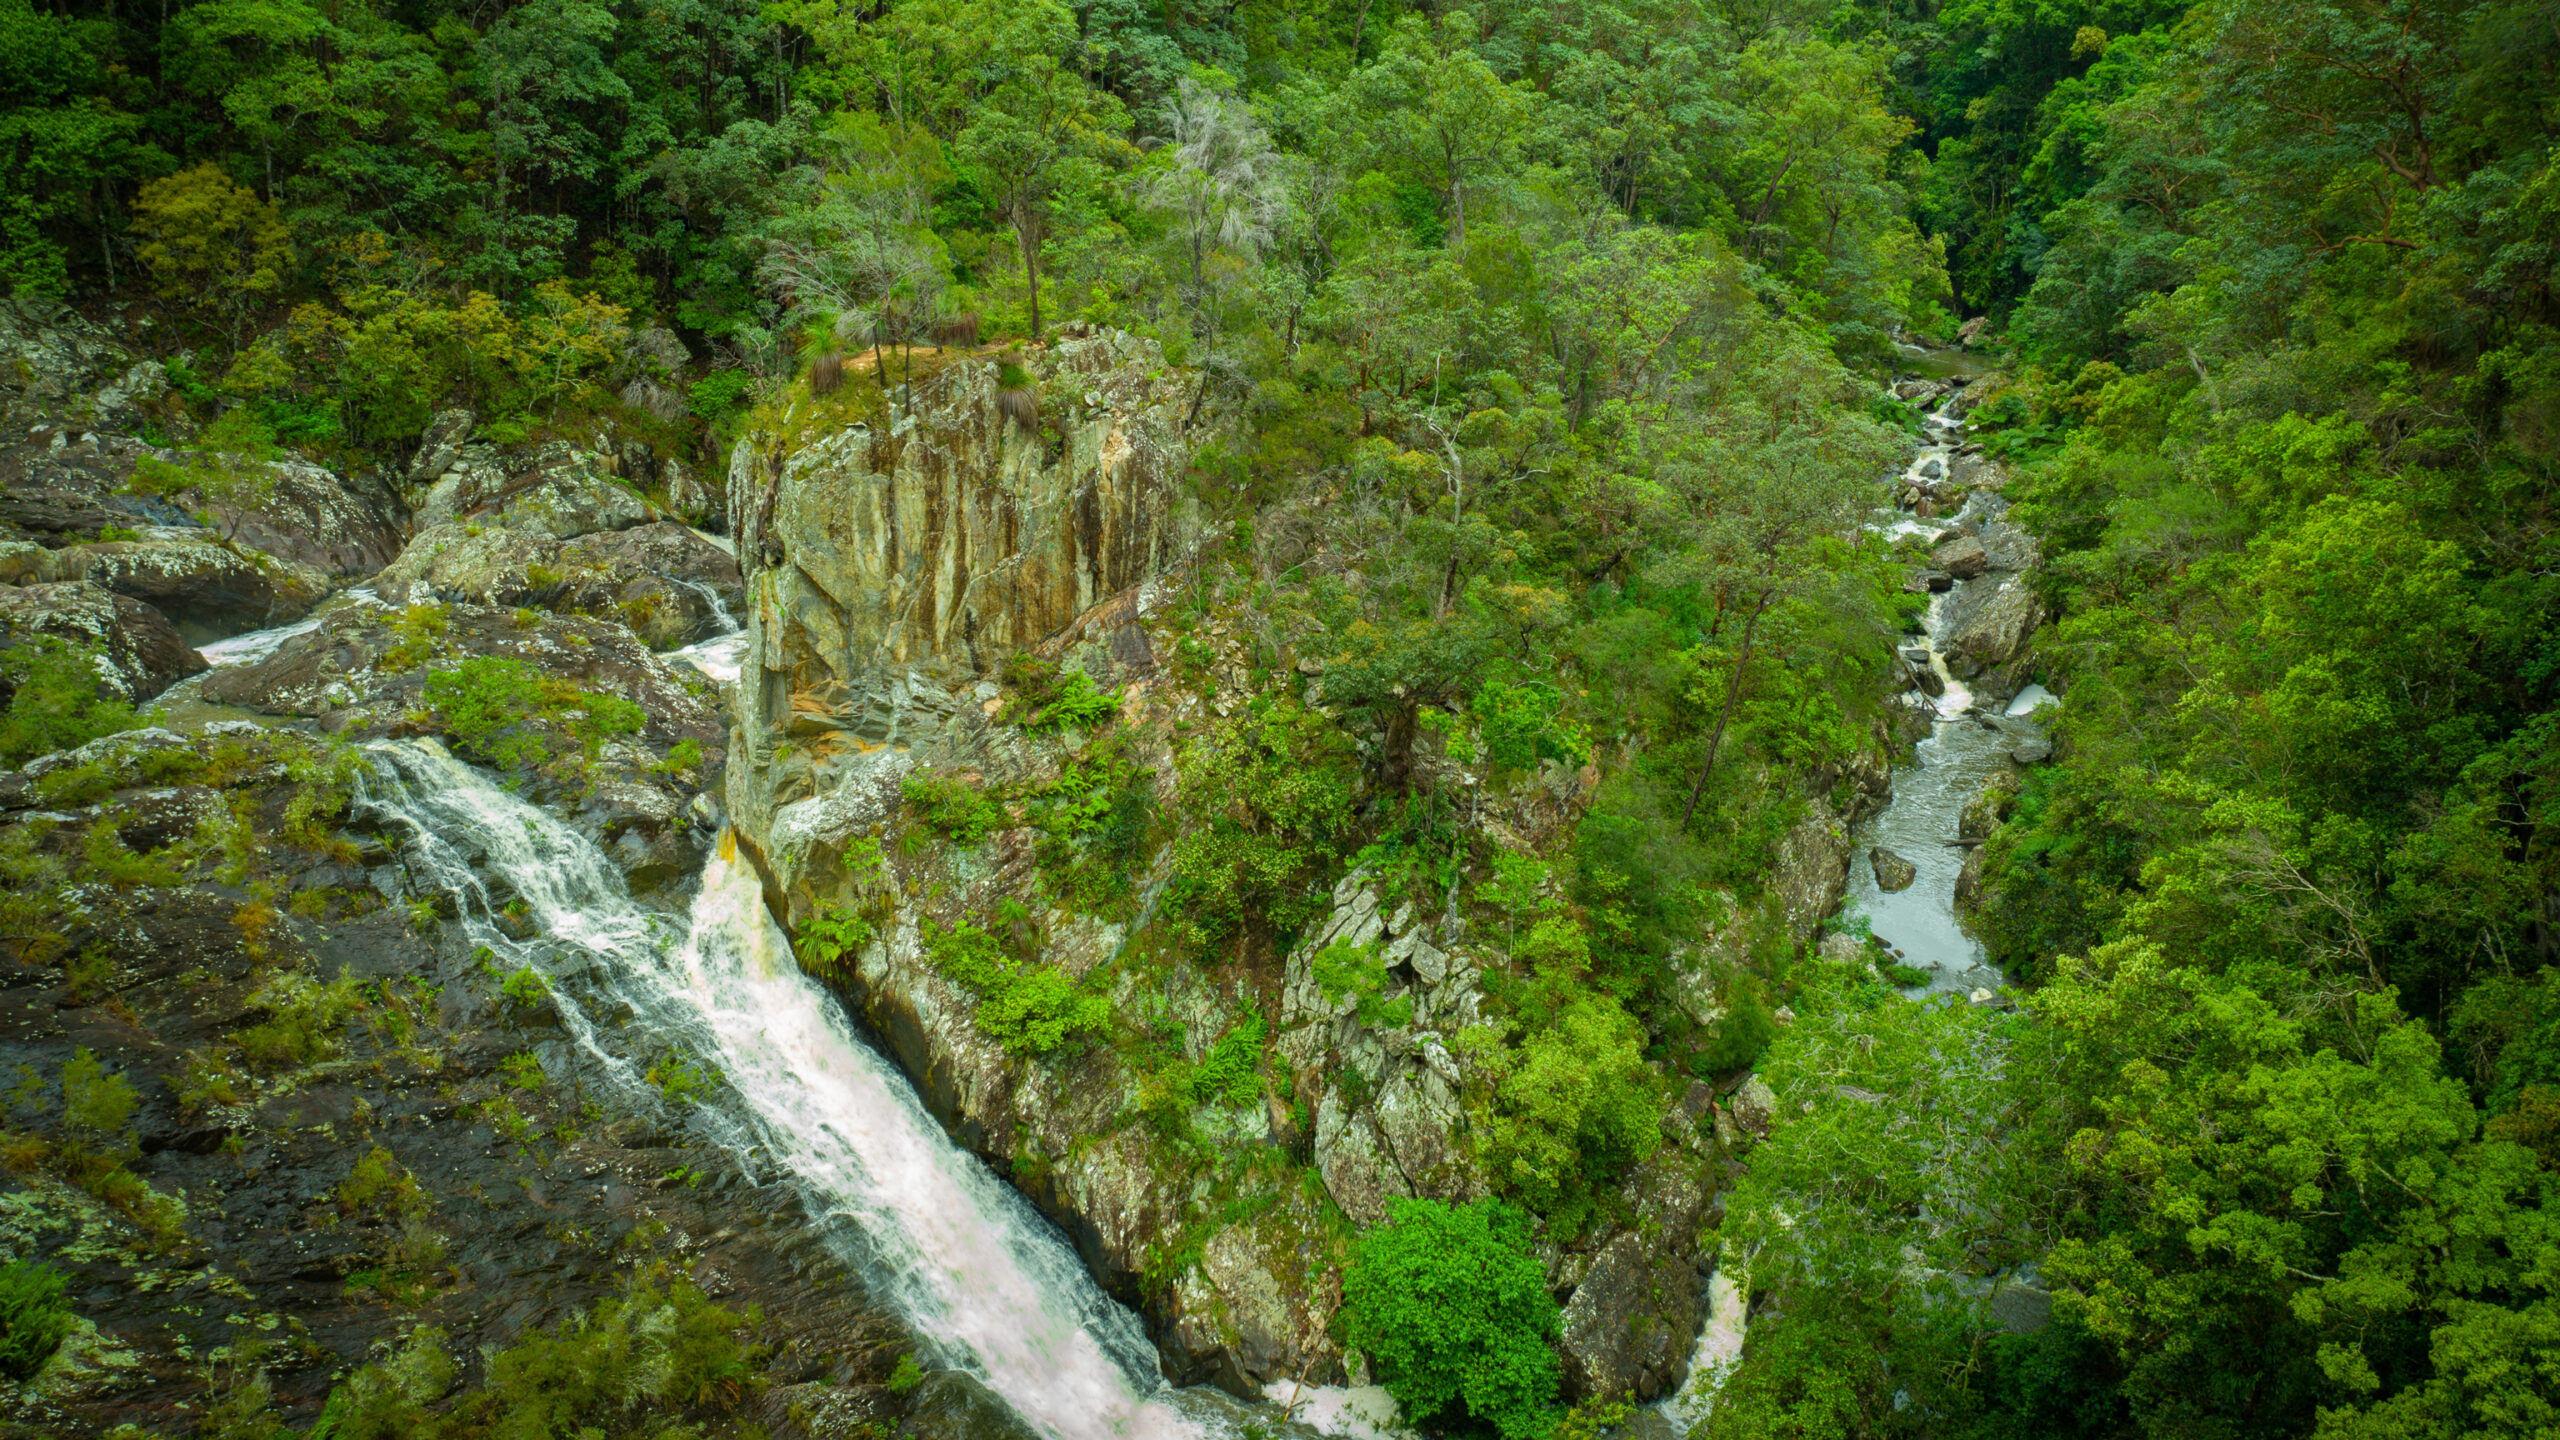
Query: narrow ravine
(1966, 746)
(1916, 922)
(981, 1277)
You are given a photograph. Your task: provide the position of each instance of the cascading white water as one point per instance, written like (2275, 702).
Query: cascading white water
(973, 1268)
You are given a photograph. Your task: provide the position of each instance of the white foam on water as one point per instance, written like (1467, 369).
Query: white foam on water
(1719, 1350)
(2031, 700)
(257, 645)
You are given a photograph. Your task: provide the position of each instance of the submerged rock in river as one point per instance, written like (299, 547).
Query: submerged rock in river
(1892, 871)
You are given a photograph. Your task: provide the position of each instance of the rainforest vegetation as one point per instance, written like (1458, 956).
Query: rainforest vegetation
(1548, 342)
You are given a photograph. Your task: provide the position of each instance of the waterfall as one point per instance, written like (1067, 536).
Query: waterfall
(978, 1274)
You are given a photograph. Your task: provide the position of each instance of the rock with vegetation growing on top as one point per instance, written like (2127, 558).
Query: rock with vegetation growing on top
(143, 652)
(53, 362)
(219, 589)
(555, 489)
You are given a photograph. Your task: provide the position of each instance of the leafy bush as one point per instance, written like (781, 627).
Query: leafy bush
(1028, 1009)
(830, 935)
(491, 705)
(1452, 1310)
(628, 1369)
(56, 701)
(1271, 799)
(1076, 704)
(33, 1317)
(303, 1017)
(1520, 726)
(955, 808)
(1576, 1105)
(484, 700)
(622, 1368)
(1343, 968)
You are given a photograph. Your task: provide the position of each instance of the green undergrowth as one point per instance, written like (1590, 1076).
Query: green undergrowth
(34, 1317)
(56, 700)
(658, 1360)
(1027, 1007)
(509, 714)
(78, 1127)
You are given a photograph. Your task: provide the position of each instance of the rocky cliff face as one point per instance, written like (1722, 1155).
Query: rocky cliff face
(955, 533)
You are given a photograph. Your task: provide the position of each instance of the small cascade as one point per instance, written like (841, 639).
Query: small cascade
(1719, 1350)
(981, 1277)
(257, 645)
(723, 657)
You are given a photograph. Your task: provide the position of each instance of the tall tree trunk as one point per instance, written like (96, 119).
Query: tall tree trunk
(1022, 230)
(1732, 696)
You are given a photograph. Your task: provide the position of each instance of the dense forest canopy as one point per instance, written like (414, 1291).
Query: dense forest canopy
(1560, 330)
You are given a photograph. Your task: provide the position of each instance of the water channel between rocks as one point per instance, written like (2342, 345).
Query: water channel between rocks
(1966, 745)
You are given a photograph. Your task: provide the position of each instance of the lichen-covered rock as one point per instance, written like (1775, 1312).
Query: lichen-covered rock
(216, 588)
(1892, 871)
(1997, 617)
(668, 583)
(311, 516)
(144, 653)
(1628, 1329)
(1962, 557)
(1811, 870)
(558, 489)
(61, 485)
(52, 362)
(956, 536)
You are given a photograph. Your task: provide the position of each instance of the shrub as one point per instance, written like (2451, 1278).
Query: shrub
(1452, 1310)
(56, 701)
(484, 700)
(1343, 968)
(387, 1401)
(1272, 796)
(303, 1016)
(33, 1318)
(1028, 1009)
(830, 935)
(955, 808)
(1077, 704)
(1576, 1105)
(634, 1359)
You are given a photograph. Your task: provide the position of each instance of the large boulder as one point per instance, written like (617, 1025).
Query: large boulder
(1996, 618)
(52, 362)
(1628, 1329)
(362, 672)
(1962, 557)
(559, 490)
(144, 653)
(1811, 872)
(200, 584)
(668, 583)
(1892, 871)
(311, 516)
(63, 486)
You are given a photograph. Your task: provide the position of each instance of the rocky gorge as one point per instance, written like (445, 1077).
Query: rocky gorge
(958, 620)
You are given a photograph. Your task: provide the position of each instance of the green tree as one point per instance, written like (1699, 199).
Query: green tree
(1453, 1314)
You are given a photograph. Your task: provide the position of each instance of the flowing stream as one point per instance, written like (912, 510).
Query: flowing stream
(1917, 923)
(980, 1276)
